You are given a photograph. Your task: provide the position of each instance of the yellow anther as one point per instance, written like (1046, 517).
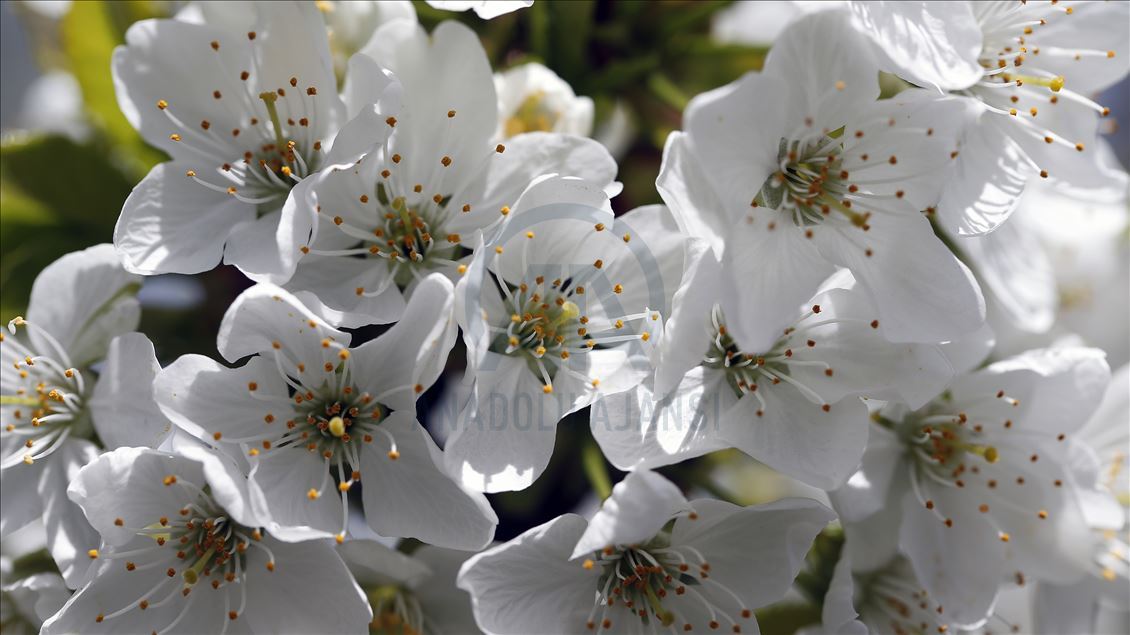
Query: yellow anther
(588, 564)
(312, 494)
(505, 210)
(93, 553)
(393, 455)
(547, 389)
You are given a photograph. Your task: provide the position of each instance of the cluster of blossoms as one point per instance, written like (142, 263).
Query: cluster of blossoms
(873, 294)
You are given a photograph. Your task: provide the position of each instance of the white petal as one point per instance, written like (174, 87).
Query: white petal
(755, 551)
(769, 274)
(485, 9)
(293, 43)
(265, 314)
(122, 406)
(69, 535)
(838, 614)
(373, 564)
(686, 335)
(413, 496)
(983, 186)
(447, 71)
(22, 504)
(868, 490)
(368, 85)
(637, 430)
(796, 437)
(226, 480)
(830, 70)
(635, 512)
(1017, 273)
(84, 300)
(922, 292)
(529, 585)
(446, 605)
(738, 157)
(170, 224)
(1057, 389)
(957, 565)
(129, 483)
(205, 398)
(927, 43)
(862, 361)
(38, 596)
(421, 339)
(526, 157)
(253, 245)
(309, 591)
(506, 435)
(689, 193)
(286, 476)
(173, 61)
(335, 282)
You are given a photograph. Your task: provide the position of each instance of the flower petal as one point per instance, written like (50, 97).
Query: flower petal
(796, 437)
(69, 535)
(84, 300)
(422, 339)
(925, 43)
(637, 509)
(162, 229)
(922, 292)
(122, 407)
(761, 570)
(413, 496)
(529, 585)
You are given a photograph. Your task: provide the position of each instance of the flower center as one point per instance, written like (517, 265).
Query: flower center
(1014, 81)
(641, 578)
(810, 184)
(547, 327)
(396, 611)
(745, 371)
(402, 221)
(47, 401)
(534, 114)
(210, 548)
(277, 130)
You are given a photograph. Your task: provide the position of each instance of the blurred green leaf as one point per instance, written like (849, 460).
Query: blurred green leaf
(89, 34)
(56, 196)
(781, 619)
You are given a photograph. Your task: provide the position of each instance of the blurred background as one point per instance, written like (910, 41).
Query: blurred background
(69, 159)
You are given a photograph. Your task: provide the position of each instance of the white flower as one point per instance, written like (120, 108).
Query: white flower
(27, 602)
(792, 405)
(982, 482)
(485, 9)
(798, 170)
(760, 23)
(416, 593)
(352, 23)
(54, 405)
(557, 310)
(183, 552)
(313, 417)
(1025, 70)
(648, 561)
(1076, 607)
(246, 111)
(532, 98)
(412, 205)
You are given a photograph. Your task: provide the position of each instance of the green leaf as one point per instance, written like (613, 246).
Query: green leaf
(56, 196)
(89, 34)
